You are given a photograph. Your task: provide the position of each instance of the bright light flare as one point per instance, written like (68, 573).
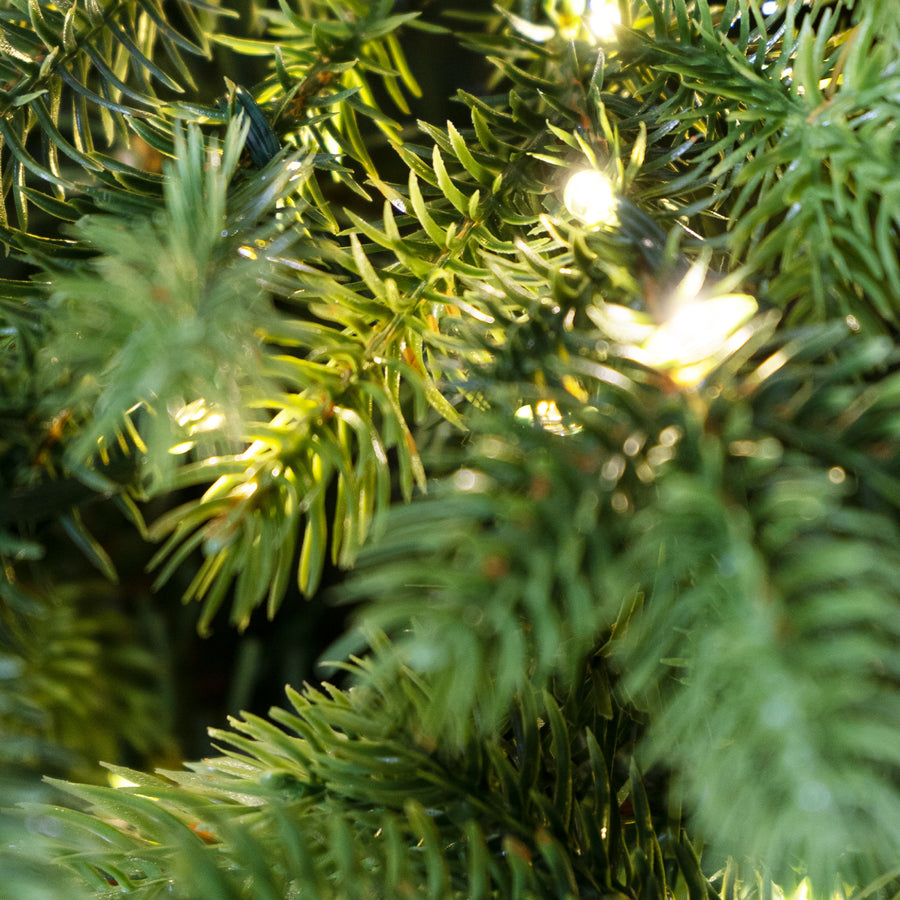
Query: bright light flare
(602, 17)
(697, 336)
(589, 196)
(698, 329)
(692, 341)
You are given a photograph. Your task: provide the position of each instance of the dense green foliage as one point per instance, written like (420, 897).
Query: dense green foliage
(615, 501)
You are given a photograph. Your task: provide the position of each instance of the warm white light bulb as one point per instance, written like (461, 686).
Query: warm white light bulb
(692, 341)
(589, 196)
(603, 16)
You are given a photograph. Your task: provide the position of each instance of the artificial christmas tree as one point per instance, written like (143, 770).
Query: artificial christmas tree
(582, 403)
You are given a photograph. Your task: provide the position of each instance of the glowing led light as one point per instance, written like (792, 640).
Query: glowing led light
(603, 16)
(621, 324)
(698, 336)
(769, 7)
(690, 343)
(589, 196)
(803, 891)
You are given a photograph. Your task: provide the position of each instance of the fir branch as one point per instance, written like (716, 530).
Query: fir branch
(299, 795)
(73, 72)
(771, 581)
(163, 286)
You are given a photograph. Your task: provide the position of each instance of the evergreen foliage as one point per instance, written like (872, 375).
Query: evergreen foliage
(622, 577)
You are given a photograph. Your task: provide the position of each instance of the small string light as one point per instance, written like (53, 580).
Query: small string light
(692, 339)
(602, 18)
(696, 337)
(589, 196)
(689, 344)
